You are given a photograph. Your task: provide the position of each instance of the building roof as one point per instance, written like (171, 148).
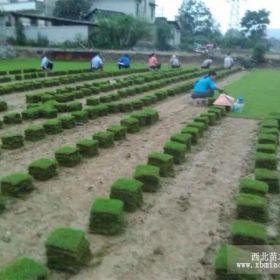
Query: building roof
(102, 12)
(62, 21)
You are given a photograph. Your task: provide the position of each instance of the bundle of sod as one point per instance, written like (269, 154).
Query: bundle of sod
(3, 202)
(92, 112)
(24, 269)
(68, 156)
(152, 116)
(67, 250)
(176, 150)
(265, 130)
(141, 117)
(67, 121)
(88, 147)
(182, 138)
(74, 106)
(80, 116)
(211, 117)
(16, 184)
(251, 186)
(129, 191)
(34, 133)
(221, 108)
(251, 207)
(217, 112)
(203, 120)
(246, 232)
(194, 133)
(91, 101)
(12, 141)
(1, 124)
(119, 131)
(43, 169)
(132, 124)
(3, 106)
(105, 139)
(53, 126)
(106, 216)
(267, 139)
(266, 148)
(31, 113)
(113, 107)
(271, 177)
(266, 160)
(48, 112)
(200, 126)
(149, 176)
(163, 161)
(270, 123)
(12, 118)
(102, 109)
(61, 107)
(227, 257)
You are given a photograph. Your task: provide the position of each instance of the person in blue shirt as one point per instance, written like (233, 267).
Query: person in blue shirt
(205, 87)
(124, 62)
(46, 63)
(96, 62)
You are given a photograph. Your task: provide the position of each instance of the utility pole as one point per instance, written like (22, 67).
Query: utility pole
(234, 14)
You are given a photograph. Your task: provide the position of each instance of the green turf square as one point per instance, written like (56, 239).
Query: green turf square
(271, 177)
(252, 186)
(34, 133)
(194, 131)
(67, 121)
(12, 141)
(88, 147)
(68, 156)
(119, 131)
(176, 150)
(182, 138)
(163, 161)
(43, 169)
(53, 126)
(105, 139)
(132, 124)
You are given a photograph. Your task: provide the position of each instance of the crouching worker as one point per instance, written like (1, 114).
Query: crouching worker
(205, 87)
(96, 62)
(46, 64)
(124, 62)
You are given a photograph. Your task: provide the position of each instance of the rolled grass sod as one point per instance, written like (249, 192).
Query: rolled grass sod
(34, 133)
(3, 106)
(16, 184)
(105, 139)
(88, 147)
(149, 176)
(67, 121)
(266, 160)
(152, 115)
(211, 117)
(53, 126)
(12, 118)
(31, 113)
(119, 131)
(43, 169)
(265, 130)
(266, 148)
(204, 120)
(92, 112)
(269, 123)
(80, 116)
(67, 250)
(267, 139)
(132, 124)
(74, 106)
(102, 110)
(182, 138)
(176, 150)
(92, 101)
(194, 133)
(200, 126)
(252, 207)
(217, 112)
(227, 256)
(141, 117)
(251, 186)
(3, 203)
(129, 191)
(68, 156)
(48, 112)
(246, 232)
(12, 141)
(106, 216)
(271, 177)
(163, 161)
(24, 268)
(221, 108)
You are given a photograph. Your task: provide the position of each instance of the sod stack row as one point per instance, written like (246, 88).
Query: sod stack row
(250, 226)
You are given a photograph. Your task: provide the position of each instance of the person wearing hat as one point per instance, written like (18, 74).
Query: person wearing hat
(174, 62)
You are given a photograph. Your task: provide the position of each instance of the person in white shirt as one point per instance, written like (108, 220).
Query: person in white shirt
(207, 63)
(96, 62)
(228, 61)
(46, 64)
(174, 62)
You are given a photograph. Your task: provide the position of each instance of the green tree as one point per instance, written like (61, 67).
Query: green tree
(163, 34)
(198, 24)
(72, 9)
(119, 31)
(254, 25)
(20, 35)
(234, 38)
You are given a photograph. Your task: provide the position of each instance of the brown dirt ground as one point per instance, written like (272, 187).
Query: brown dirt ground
(176, 231)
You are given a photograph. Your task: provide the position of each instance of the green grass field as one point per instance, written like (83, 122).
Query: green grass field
(261, 92)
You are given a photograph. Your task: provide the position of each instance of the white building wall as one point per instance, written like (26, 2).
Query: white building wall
(55, 34)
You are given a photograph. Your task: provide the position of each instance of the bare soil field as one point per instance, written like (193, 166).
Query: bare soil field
(176, 232)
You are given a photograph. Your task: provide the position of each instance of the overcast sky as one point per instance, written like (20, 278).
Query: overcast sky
(220, 9)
